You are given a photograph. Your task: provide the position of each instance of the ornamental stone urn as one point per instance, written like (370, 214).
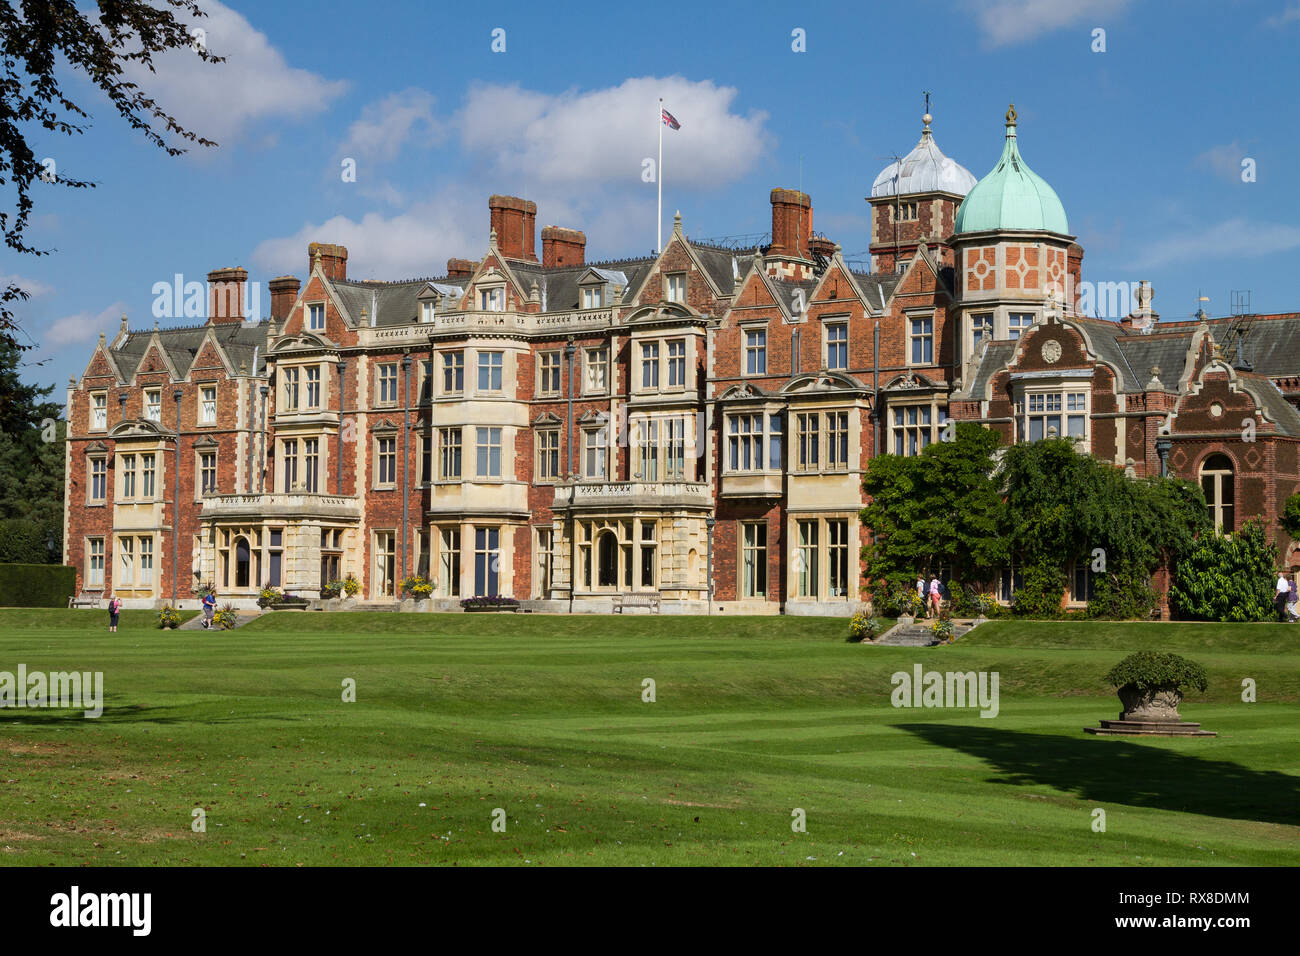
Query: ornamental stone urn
(1150, 703)
(1150, 685)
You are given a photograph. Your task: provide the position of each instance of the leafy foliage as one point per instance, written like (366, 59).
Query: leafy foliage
(1290, 517)
(226, 618)
(1063, 507)
(351, 586)
(37, 41)
(417, 586)
(31, 467)
(861, 627)
(1154, 669)
(1227, 578)
(1043, 505)
(937, 509)
(169, 618)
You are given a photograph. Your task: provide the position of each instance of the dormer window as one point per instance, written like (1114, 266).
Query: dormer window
(492, 300)
(153, 404)
(316, 317)
(593, 297)
(427, 309)
(675, 287)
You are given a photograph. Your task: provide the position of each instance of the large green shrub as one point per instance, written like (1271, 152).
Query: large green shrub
(1227, 578)
(36, 585)
(1149, 670)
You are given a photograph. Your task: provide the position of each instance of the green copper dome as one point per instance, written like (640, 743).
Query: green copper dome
(1012, 196)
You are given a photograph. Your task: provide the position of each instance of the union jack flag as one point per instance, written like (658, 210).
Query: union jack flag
(669, 120)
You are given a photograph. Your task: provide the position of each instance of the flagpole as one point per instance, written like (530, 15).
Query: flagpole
(659, 179)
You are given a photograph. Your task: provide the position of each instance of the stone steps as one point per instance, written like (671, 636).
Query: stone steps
(389, 606)
(245, 615)
(917, 634)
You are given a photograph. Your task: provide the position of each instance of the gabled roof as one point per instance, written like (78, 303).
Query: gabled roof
(237, 341)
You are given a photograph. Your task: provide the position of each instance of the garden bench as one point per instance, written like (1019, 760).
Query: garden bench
(646, 599)
(86, 599)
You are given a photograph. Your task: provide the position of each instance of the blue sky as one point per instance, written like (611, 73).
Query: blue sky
(1143, 142)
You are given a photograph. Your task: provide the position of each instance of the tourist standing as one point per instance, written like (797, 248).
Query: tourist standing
(1280, 595)
(1293, 603)
(935, 596)
(114, 610)
(920, 593)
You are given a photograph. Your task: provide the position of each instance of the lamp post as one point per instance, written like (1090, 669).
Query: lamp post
(1163, 444)
(177, 395)
(709, 522)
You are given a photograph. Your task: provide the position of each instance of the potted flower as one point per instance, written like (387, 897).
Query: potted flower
(331, 590)
(417, 586)
(169, 618)
(203, 590)
(490, 603)
(1150, 685)
(942, 628)
(269, 597)
(351, 586)
(861, 628)
(226, 618)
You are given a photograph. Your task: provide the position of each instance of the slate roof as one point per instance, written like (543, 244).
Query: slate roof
(995, 358)
(385, 303)
(874, 284)
(237, 339)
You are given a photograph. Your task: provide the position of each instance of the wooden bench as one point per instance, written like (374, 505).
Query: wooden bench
(89, 599)
(646, 599)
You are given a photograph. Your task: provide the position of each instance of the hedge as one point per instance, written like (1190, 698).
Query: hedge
(36, 585)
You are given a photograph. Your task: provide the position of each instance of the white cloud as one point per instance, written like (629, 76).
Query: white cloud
(387, 125)
(1007, 22)
(1224, 161)
(603, 136)
(32, 287)
(416, 242)
(81, 327)
(1232, 238)
(226, 101)
(1290, 15)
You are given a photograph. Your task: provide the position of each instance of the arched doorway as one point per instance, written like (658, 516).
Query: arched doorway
(607, 560)
(1217, 482)
(243, 562)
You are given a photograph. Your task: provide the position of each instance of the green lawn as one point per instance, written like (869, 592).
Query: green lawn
(457, 715)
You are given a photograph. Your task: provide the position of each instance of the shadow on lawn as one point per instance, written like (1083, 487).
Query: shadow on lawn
(1117, 771)
(130, 714)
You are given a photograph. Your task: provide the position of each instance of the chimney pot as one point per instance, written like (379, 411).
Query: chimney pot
(563, 247)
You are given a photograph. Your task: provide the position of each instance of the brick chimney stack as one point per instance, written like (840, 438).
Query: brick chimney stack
(226, 295)
(284, 292)
(563, 247)
(333, 259)
(792, 217)
(515, 222)
(460, 268)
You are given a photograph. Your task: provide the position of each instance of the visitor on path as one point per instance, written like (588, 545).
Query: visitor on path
(935, 596)
(1293, 603)
(114, 610)
(209, 608)
(920, 593)
(1280, 595)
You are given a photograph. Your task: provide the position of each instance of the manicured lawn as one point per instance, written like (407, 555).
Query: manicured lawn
(457, 715)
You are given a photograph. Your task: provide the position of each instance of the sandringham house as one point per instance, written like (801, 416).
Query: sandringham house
(693, 424)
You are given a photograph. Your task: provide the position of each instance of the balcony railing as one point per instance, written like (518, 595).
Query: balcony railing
(649, 494)
(488, 322)
(289, 504)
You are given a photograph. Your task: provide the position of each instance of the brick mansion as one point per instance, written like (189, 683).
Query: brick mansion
(694, 423)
